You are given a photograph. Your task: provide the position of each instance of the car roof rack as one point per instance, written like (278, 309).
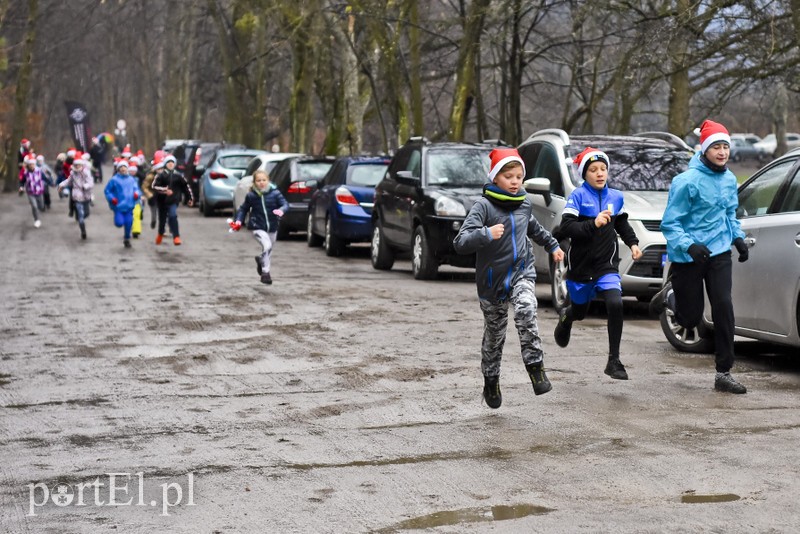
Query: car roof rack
(666, 136)
(552, 131)
(498, 142)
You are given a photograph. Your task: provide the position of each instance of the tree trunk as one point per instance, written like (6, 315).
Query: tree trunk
(22, 90)
(678, 117)
(465, 69)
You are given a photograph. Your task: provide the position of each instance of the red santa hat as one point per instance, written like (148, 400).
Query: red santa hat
(25, 143)
(121, 163)
(710, 133)
(588, 156)
(30, 159)
(71, 153)
(501, 157)
(133, 169)
(126, 152)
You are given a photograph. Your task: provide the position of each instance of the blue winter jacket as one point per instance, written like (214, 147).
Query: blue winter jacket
(122, 187)
(701, 209)
(260, 205)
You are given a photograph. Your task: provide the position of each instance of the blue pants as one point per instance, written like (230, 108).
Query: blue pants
(82, 208)
(168, 213)
(124, 218)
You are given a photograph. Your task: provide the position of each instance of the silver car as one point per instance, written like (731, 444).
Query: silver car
(263, 162)
(766, 288)
(642, 166)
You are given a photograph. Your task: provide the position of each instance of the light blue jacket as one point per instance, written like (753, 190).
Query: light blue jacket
(701, 209)
(122, 187)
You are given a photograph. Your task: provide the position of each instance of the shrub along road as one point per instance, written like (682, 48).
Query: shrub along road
(344, 399)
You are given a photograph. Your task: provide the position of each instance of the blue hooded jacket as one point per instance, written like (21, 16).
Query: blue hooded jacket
(122, 187)
(701, 208)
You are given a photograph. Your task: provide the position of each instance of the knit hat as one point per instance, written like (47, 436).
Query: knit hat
(501, 157)
(589, 156)
(39, 159)
(710, 133)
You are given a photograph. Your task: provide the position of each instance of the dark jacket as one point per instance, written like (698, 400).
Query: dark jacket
(173, 180)
(260, 205)
(500, 263)
(594, 251)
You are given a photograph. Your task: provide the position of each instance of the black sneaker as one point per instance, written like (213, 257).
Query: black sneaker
(152, 224)
(664, 299)
(259, 266)
(266, 279)
(616, 370)
(726, 383)
(541, 384)
(83, 231)
(563, 329)
(491, 392)
(127, 243)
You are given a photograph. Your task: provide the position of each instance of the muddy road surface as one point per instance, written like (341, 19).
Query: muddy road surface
(164, 389)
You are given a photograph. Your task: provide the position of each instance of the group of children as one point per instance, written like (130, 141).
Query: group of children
(699, 224)
(75, 175)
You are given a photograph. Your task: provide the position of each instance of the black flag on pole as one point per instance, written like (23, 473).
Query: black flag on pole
(79, 123)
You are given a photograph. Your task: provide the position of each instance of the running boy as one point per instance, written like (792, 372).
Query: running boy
(168, 186)
(265, 204)
(31, 181)
(592, 218)
(497, 228)
(80, 182)
(123, 193)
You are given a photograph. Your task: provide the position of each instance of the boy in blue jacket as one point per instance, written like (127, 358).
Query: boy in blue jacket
(497, 229)
(266, 205)
(592, 218)
(123, 193)
(700, 226)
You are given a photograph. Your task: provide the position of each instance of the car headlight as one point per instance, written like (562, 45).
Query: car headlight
(449, 207)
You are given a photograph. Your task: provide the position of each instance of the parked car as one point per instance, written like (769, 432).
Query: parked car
(221, 176)
(642, 166)
(264, 162)
(742, 150)
(766, 288)
(190, 161)
(340, 210)
(422, 201)
(297, 178)
(769, 144)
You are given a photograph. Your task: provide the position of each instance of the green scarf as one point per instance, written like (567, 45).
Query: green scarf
(502, 198)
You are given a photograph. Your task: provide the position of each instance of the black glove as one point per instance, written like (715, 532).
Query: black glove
(741, 246)
(699, 253)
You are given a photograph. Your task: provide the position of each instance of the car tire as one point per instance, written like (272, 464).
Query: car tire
(207, 210)
(558, 283)
(381, 255)
(333, 245)
(312, 239)
(685, 339)
(423, 263)
(283, 232)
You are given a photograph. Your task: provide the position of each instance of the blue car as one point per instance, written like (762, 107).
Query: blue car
(340, 211)
(219, 179)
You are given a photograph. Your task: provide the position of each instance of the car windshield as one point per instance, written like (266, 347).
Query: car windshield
(366, 174)
(312, 170)
(236, 161)
(458, 167)
(639, 168)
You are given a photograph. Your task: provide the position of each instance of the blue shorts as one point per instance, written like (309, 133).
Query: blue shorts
(581, 293)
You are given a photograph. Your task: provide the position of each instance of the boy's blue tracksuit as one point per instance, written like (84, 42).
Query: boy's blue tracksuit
(125, 189)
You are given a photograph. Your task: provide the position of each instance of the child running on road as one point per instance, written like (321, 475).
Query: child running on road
(123, 193)
(31, 181)
(592, 218)
(168, 186)
(265, 205)
(81, 183)
(497, 229)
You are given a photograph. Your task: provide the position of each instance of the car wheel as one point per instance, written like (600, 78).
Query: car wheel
(283, 232)
(312, 239)
(558, 283)
(684, 339)
(423, 264)
(381, 255)
(208, 211)
(333, 245)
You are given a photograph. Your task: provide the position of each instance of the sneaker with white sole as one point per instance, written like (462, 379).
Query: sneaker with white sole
(726, 383)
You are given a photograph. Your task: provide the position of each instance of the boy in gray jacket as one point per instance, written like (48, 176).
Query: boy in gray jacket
(497, 228)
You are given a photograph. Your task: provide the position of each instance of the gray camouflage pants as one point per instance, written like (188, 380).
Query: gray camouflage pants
(495, 323)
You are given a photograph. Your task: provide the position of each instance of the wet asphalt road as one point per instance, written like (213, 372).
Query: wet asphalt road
(343, 399)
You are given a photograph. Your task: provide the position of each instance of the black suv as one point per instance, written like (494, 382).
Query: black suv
(422, 201)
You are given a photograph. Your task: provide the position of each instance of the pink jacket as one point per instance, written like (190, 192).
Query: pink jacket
(81, 183)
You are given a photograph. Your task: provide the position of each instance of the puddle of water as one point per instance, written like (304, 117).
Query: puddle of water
(468, 515)
(694, 498)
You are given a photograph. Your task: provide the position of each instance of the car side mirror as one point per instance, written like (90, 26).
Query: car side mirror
(406, 177)
(539, 186)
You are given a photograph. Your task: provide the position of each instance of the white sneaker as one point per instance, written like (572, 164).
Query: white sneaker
(37, 223)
